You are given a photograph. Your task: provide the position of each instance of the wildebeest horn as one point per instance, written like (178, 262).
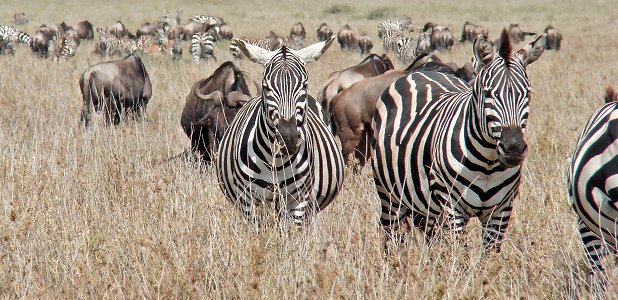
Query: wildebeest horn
(235, 98)
(216, 95)
(203, 122)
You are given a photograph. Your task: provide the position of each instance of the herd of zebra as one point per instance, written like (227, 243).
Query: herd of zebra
(444, 147)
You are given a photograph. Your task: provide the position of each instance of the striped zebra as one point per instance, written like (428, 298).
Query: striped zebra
(271, 43)
(277, 149)
(62, 46)
(408, 49)
(444, 151)
(202, 47)
(14, 35)
(390, 32)
(208, 20)
(592, 182)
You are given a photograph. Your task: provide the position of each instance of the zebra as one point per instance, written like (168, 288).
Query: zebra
(592, 184)
(208, 20)
(391, 33)
(14, 35)
(408, 49)
(62, 46)
(443, 150)
(202, 47)
(277, 148)
(271, 42)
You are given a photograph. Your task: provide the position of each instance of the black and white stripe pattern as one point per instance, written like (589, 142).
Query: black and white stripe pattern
(14, 35)
(277, 149)
(264, 43)
(391, 33)
(593, 182)
(408, 49)
(202, 47)
(444, 152)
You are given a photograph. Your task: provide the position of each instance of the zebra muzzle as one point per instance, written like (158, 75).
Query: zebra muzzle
(289, 135)
(512, 147)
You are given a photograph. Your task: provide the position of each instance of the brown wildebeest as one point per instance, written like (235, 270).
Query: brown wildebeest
(117, 29)
(365, 44)
(115, 86)
(206, 94)
(470, 31)
(554, 38)
(441, 37)
(324, 32)
(146, 29)
(85, 30)
(225, 31)
(353, 109)
(298, 31)
(517, 33)
(20, 18)
(347, 39)
(41, 40)
(192, 28)
(338, 81)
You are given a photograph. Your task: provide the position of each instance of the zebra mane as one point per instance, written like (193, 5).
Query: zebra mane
(504, 49)
(611, 95)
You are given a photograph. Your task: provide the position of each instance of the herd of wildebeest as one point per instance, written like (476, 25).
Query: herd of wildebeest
(346, 101)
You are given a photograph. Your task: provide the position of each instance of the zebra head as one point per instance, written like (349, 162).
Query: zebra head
(284, 88)
(502, 93)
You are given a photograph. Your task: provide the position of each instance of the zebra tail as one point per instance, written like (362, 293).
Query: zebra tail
(611, 95)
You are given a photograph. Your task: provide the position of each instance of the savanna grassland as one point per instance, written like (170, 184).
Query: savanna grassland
(103, 213)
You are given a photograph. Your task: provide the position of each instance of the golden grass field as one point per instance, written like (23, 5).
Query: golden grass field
(99, 213)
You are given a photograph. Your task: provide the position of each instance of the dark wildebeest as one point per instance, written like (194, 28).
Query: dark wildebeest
(85, 31)
(117, 29)
(470, 31)
(347, 39)
(517, 33)
(41, 40)
(298, 31)
(338, 81)
(365, 44)
(146, 29)
(324, 32)
(554, 38)
(115, 86)
(225, 31)
(353, 109)
(441, 37)
(192, 28)
(205, 96)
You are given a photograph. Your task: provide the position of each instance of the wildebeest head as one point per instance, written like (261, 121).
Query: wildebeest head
(502, 93)
(85, 30)
(201, 120)
(284, 89)
(298, 31)
(324, 32)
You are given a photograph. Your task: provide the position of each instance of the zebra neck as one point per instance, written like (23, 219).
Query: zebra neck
(474, 137)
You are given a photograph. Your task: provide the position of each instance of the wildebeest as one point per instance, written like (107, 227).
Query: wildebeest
(338, 81)
(517, 33)
(365, 44)
(200, 108)
(115, 87)
(324, 32)
(20, 18)
(225, 31)
(84, 29)
(554, 38)
(441, 36)
(347, 39)
(146, 29)
(298, 31)
(353, 109)
(470, 31)
(191, 28)
(41, 40)
(117, 29)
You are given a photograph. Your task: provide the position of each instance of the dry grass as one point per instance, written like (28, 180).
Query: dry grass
(94, 213)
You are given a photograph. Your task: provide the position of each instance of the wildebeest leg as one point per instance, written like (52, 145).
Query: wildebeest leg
(362, 150)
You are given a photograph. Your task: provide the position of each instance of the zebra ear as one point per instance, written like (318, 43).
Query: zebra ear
(531, 52)
(314, 52)
(483, 50)
(254, 53)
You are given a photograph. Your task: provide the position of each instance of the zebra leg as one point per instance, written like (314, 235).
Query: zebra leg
(494, 226)
(393, 215)
(593, 247)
